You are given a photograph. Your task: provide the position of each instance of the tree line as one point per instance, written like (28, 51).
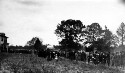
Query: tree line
(75, 35)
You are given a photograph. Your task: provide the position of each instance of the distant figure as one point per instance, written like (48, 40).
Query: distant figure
(83, 56)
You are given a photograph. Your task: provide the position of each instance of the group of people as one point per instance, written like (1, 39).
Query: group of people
(49, 54)
(99, 58)
(91, 57)
(95, 57)
(74, 55)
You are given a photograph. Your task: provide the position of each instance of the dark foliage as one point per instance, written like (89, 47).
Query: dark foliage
(93, 32)
(36, 43)
(98, 38)
(70, 44)
(70, 33)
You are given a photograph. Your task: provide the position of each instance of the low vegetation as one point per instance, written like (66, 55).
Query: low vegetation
(27, 63)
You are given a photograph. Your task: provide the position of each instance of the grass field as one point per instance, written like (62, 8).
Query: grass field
(27, 63)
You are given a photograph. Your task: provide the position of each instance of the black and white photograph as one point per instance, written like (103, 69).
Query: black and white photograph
(62, 36)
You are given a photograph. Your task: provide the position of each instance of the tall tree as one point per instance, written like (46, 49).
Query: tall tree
(106, 41)
(93, 32)
(99, 38)
(121, 32)
(70, 33)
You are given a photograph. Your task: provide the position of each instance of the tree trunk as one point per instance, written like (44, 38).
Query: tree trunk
(122, 35)
(122, 39)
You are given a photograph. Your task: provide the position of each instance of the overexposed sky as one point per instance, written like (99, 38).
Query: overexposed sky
(23, 19)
